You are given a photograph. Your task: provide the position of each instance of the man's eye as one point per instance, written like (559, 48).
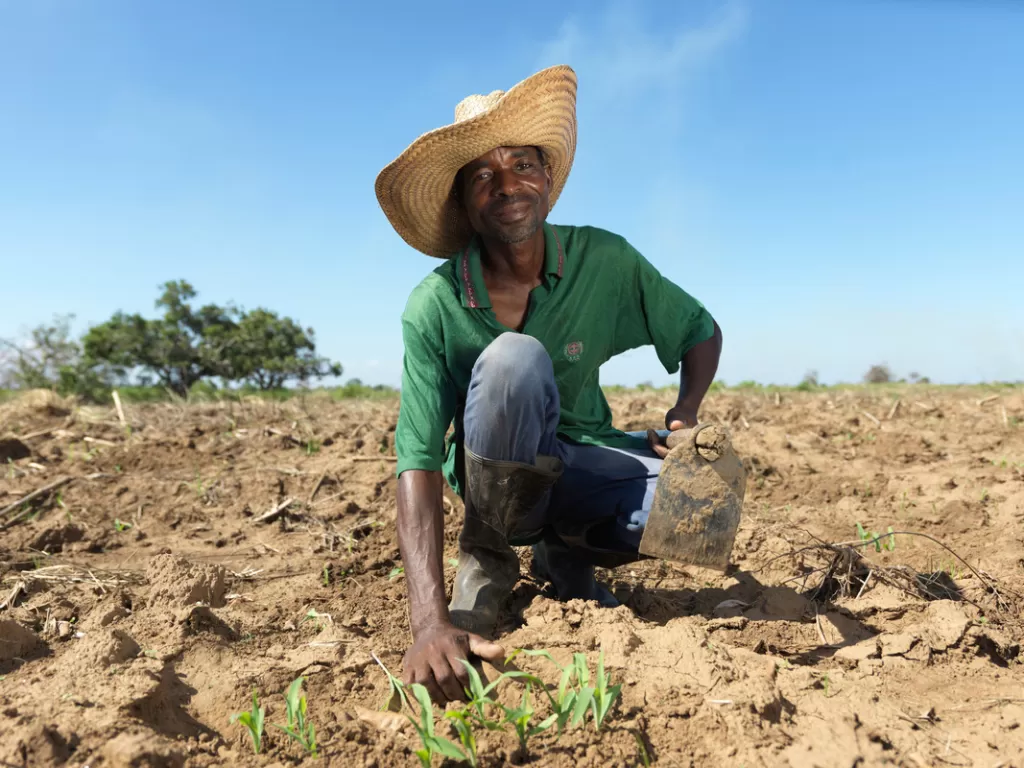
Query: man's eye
(525, 166)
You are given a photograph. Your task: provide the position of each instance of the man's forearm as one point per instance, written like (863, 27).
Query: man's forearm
(421, 541)
(699, 367)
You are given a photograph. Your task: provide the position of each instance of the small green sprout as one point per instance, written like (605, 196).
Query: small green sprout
(396, 572)
(120, 526)
(431, 743)
(253, 720)
(604, 694)
(879, 540)
(520, 716)
(299, 729)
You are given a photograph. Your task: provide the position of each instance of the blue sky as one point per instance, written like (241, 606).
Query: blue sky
(840, 182)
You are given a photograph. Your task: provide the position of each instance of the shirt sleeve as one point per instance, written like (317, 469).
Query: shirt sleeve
(658, 312)
(428, 394)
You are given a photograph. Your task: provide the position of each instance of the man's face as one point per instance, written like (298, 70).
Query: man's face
(505, 193)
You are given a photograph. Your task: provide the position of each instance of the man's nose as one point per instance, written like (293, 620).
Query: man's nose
(506, 183)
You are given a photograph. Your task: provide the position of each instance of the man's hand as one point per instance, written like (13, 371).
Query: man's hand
(433, 660)
(678, 417)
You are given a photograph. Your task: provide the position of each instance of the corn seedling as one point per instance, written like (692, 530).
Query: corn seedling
(299, 729)
(326, 576)
(396, 572)
(604, 694)
(463, 723)
(879, 540)
(121, 526)
(432, 743)
(253, 720)
(641, 749)
(563, 703)
(520, 716)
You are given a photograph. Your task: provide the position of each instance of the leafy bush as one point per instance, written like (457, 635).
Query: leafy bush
(878, 374)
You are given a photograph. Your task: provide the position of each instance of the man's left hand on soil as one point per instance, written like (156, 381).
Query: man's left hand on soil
(434, 660)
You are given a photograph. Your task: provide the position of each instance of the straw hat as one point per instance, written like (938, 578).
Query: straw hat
(415, 189)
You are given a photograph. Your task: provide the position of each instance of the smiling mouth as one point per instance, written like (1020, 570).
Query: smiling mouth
(512, 211)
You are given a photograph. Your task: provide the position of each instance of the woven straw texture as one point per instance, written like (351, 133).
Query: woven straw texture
(414, 190)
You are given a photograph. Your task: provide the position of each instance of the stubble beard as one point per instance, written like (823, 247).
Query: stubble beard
(519, 232)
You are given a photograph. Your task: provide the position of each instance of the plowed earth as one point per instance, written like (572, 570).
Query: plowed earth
(144, 600)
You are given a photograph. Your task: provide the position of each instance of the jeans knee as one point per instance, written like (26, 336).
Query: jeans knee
(513, 359)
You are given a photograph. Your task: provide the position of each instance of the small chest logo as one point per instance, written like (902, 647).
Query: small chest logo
(573, 351)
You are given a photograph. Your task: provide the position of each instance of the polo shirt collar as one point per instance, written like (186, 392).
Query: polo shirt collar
(471, 275)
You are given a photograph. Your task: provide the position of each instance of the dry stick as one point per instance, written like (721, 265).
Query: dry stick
(1006, 421)
(40, 433)
(32, 496)
(120, 410)
(275, 513)
(100, 441)
(988, 399)
(316, 486)
(894, 409)
(873, 418)
(374, 458)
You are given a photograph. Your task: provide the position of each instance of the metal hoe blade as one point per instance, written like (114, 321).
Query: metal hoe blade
(698, 500)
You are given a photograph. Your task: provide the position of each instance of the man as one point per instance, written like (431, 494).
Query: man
(504, 340)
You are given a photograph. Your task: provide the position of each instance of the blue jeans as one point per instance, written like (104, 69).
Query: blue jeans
(511, 414)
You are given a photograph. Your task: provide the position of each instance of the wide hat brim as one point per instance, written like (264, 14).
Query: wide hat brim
(415, 190)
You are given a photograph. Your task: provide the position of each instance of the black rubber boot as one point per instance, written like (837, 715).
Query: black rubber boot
(570, 571)
(499, 496)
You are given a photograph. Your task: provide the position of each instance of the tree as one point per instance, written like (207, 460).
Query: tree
(187, 344)
(266, 351)
(36, 362)
(878, 374)
(184, 346)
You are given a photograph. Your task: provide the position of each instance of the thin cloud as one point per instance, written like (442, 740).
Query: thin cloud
(621, 56)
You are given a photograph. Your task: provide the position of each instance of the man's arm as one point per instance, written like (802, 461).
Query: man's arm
(421, 541)
(434, 660)
(426, 411)
(699, 366)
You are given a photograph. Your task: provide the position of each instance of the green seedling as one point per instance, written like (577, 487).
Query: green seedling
(984, 495)
(312, 446)
(121, 526)
(326, 576)
(253, 720)
(453, 562)
(826, 684)
(299, 729)
(431, 743)
(480, 698)
(641, 749)
(563, 702)
(396, 572)
(462, 720)
(604, 694)
(879, 540)
(520, 716)
(314, 615)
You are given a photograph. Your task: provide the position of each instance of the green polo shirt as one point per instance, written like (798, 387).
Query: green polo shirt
(598, 297)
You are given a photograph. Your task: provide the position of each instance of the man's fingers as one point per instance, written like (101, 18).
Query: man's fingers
(459, 670)
(486, 650)
(446, 680)
(656, 444)
(677, 424)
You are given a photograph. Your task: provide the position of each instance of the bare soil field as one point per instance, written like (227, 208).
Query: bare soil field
(177, 561)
